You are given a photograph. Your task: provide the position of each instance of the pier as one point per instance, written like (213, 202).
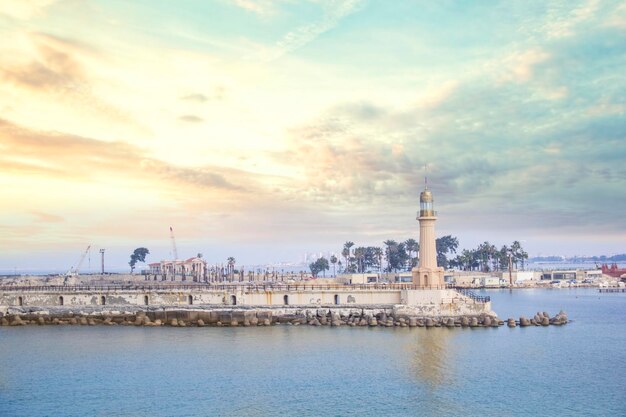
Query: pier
(612, 290)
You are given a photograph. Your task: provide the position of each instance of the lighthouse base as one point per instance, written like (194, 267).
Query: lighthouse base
(428, 277)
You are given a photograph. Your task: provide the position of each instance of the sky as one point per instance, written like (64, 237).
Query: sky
(266, 129)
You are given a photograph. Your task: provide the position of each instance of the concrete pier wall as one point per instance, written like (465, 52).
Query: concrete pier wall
(411, 301)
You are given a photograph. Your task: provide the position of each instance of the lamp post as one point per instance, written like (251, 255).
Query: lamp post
(102, 260)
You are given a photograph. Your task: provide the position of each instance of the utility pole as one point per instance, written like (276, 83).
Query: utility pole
(102, 260)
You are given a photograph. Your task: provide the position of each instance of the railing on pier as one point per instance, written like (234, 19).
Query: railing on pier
(211, 287)
(473, 295)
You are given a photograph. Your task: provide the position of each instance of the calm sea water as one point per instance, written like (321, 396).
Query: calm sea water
(575, 370)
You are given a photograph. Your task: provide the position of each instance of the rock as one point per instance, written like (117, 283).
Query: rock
(412, 322)
(267, 322)
(373, 322)
(401, 320)
(545, 314)
(246, 323)
(363, 322)
(234, 323)
(200, 323)
(83, 321)
(450, 322)
(335, 323)
(181, 323)
(511, 322)
(55, 320)
(73, 321)
(41, 321)
(523, 321)
(464, 321)
(174, 322)
(4, 322)
(487, 321)
(158, 322)
(254, 321)
(420, 323)
(429, 322)
(219, 324)
(389, 323)
(91, 322)
(474, 322)
(545, 321)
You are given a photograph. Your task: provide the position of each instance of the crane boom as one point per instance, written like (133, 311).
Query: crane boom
(75, 270)
(175, 251)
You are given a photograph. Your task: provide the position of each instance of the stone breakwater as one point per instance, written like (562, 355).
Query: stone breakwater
(329, 316)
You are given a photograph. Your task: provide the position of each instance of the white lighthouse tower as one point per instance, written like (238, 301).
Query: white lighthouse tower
(427, 274)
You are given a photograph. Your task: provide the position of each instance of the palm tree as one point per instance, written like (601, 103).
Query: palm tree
(412, 246)
(333, 260)
(231, 267)
(346, 252)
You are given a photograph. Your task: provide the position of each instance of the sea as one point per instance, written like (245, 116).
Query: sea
(574, 370)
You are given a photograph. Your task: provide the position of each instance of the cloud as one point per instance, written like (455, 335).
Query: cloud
(24, 9)
(53, 68)
(47, 217)
(334, 12)
(199, 98)
(260, 7)
(218, 93)
(191, 118)
(66, 157)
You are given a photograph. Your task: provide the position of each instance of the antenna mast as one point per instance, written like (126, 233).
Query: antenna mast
(173, 244)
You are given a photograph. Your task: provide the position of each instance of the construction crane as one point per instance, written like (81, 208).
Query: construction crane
(175, 251)
(73, 271)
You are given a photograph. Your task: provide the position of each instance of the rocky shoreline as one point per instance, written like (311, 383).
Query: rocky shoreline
(254, 317)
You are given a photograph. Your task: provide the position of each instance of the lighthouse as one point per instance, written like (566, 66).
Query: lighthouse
(427, 274)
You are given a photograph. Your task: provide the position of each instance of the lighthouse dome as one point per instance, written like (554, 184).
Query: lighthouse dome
(426, 204)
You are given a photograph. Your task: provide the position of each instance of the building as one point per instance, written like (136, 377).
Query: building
(193, 269)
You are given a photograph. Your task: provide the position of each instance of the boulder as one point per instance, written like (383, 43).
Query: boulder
(254, 321)
(4, 322)
(73, 321)
(511, 322)
(545, 321)
(174, 322)
(474, 322)
(267, 322)
(181, 323)
(234, 323)
(200, 323)
(91, 322)
(487, 321)
(363, 322)
(523, 321)
(158, 322)
(420, 323)
(246, 323)
(413, 322)
(83, 321)
(464, 321)
(429, 322)
(373, 322)
(450, 322)
(42, 321)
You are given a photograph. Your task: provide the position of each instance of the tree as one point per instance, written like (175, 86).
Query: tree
(412, 247)
(139, 255)
(396, 255)
(346, 254)
(321, 265)
(445, 245)
(231, 267)
(333, 260)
